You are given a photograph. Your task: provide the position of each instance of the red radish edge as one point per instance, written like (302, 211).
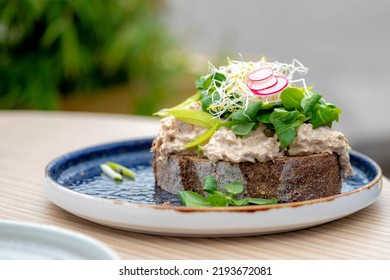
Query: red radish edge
(263, 84)
(282, 82)
(260, 74)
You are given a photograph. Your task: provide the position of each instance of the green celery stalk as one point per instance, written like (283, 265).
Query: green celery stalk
(202, 138)
(198, 118)
(165, 112)
(208, 134)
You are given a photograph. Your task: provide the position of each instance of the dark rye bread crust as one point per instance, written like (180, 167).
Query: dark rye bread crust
(289, 178)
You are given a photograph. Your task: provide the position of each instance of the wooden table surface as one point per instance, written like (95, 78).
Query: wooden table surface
(30, 139)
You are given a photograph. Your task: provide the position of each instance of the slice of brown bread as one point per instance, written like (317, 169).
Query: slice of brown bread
(289, 178)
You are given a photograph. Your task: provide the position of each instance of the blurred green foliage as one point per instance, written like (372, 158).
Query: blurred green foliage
(51, 48)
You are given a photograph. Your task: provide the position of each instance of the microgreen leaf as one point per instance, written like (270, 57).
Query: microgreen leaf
(243, 128)
(324, 115)
(234, 188)
(286, 124)
(262, 201)
(247, 115)
(291, 98)
(194, 199)
(218, 200)
(239, 202)
(219, 77)
(309, 101)
(264, 116)
(210, 184)
(207, 83)
(203, 82)
(268, 106)
(207, 100)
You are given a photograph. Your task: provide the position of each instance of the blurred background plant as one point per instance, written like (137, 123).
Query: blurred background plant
(51, 50)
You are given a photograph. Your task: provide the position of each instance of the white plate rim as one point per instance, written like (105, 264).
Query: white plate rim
(35, 235)
(194, 221)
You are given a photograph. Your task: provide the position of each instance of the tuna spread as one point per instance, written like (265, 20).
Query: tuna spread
(256, 146)
(225, 145)
(172, 136)
(322, 140)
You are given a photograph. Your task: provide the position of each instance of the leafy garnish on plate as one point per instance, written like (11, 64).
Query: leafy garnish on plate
(215, 198)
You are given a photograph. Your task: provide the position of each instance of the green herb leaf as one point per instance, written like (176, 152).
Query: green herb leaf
(210, 184)
(268, 106)
(218, 200)
(309, 101)
(247, 115)
(286, 124)
(234, 188)
(207, 100)
(262, 201)
(239, 202)
(291, 98)
(203, 82)
(325, 115)
(243, 128)
(264, 116)
(219, 77)
(189, 198)
(336, 111)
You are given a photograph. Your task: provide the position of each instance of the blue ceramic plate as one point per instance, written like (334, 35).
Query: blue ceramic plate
(75, 182)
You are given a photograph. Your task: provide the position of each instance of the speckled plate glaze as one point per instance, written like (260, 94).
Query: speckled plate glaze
(74, 182)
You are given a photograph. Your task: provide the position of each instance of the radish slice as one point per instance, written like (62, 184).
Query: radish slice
(279, 86)
(260, 74)
(263, 84)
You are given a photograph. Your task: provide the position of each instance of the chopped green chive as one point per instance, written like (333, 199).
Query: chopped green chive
(110, 172)
(121, 169)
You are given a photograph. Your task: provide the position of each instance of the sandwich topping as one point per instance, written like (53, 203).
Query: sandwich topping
(252, 111)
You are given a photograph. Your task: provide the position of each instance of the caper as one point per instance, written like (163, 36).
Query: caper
(268, 132)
